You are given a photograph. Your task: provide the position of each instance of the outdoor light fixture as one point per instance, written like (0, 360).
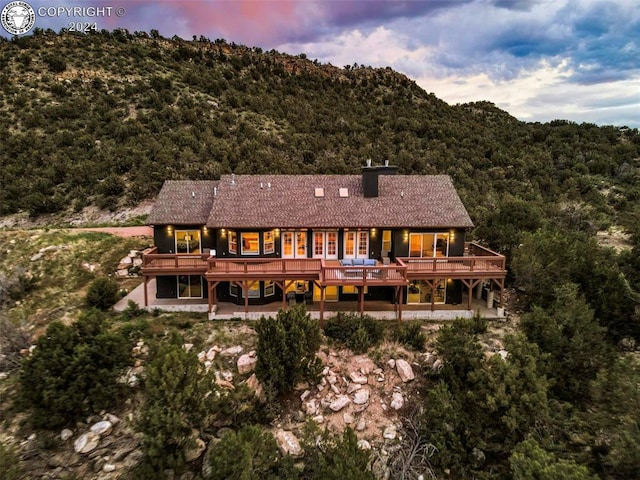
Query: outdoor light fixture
(373, 232)
(277, 232)
(452, 235)
(406, 235)
(223, 232)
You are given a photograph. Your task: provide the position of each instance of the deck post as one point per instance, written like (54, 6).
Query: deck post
(245, 294)
(209, 296)
(322, 306)
(361, 300)
(146, 298)
(400, 296)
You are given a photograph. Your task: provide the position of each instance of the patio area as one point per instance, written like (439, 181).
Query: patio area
(378, 309)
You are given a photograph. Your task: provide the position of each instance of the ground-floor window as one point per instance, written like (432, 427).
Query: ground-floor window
(420, 291)
(189, 286)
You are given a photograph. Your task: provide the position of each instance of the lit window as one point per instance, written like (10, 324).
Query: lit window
(233, 242)
(318, 244)
(386, 240)
(287, 244)
(332, 244)
(301, 244)
(254, 290)
(268, 242)
(250, 243)
(349, 244)
(363, 243)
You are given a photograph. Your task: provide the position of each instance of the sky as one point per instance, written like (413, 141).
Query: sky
(539, 60)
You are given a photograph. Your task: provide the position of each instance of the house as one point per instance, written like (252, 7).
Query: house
(258, 239)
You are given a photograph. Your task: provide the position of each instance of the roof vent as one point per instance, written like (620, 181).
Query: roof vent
(269, 185)
(215, 191)
(386, 162)
(319, 192)
(402, 194)
(368, 162)
(193, 194)
(233, 179)
(344, 192)
(261, 186)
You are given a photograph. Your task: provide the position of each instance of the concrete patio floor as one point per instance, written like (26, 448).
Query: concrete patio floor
(376, 308)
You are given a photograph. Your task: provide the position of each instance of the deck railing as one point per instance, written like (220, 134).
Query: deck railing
(159, 262)
(393, 274)
(263, 267)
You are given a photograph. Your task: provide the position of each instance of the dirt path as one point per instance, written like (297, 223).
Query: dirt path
(118, 231)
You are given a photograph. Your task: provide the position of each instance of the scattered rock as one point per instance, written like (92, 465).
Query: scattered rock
(231, 351)
(437, 365)
(102, 428)
(348, 418)
(390, 432)
(397, 401)
(503, 353)
(404, 370)
(86, 442)
(339, 403)
(247, 363)
(211, 353)
(364, 445)
(112, 418)
(304, 395)
(66, 434)
(187, 347)
(391, 363)
(108, 468)
(361, 396)
(288, 443)
(310, 407)
(353, 387)
(254, 385)
(362, 424)
(357, 377)
(36, 257)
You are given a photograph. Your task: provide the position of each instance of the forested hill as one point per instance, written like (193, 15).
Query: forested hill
(105, 118)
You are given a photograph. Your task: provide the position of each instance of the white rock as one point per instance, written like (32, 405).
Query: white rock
(362, 424)
(348, 418)
(332, 379)
(304, 395)
(187, 346)
(404, 370)
(318, 419)
(353, 387)
(397, 401)
(246, 363)
(361, 396)
(66, 434)
(231, 351)
(339, 403)
(503, 353)
(126, 261)
(254, 385)
(102, 428)
(108, 468)
(211, 354)
(202, 356)
(391, 363)
(335, 389)
(437, 365)
(36, 257)
(364, 445)
(310, 407)
(112, 418)
(390, 432)
(325, 371)
(357, 377)
(86, 442)
(288, 443)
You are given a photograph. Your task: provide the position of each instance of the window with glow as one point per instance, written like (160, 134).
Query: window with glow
(287, 244)
(318, 244)
(268, 242)
(250, 243)
(301, 244)
(428, 244)
(363, 243)
(254, 290)
(349, 244)
(187, 241)
(233, 242)
(386, 240)
(332, 244)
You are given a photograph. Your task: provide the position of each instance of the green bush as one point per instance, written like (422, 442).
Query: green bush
(335, 457)
(249, 454)
(287, 347)
(73, 371)
(102, 293)
(530, 461)
(181, 397)
(355, 332)
(411, 335)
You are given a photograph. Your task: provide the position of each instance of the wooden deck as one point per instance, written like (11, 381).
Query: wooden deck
(477, 263)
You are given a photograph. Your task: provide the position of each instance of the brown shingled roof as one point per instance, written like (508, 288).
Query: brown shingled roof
(289, 201)
(183, 202)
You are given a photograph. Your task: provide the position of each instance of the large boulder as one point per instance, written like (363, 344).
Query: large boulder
(86, 442)
(247, 363)
(339, 403)
(288, 443)
(404, 370)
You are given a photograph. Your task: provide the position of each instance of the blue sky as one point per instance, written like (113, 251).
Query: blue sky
(537, 59)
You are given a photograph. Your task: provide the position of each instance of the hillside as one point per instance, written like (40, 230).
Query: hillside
(104, 119)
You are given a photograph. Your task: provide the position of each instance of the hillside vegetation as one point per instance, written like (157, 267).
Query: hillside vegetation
(105, 118)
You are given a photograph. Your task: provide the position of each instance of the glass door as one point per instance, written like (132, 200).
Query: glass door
(188, 241)
(189, 286)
